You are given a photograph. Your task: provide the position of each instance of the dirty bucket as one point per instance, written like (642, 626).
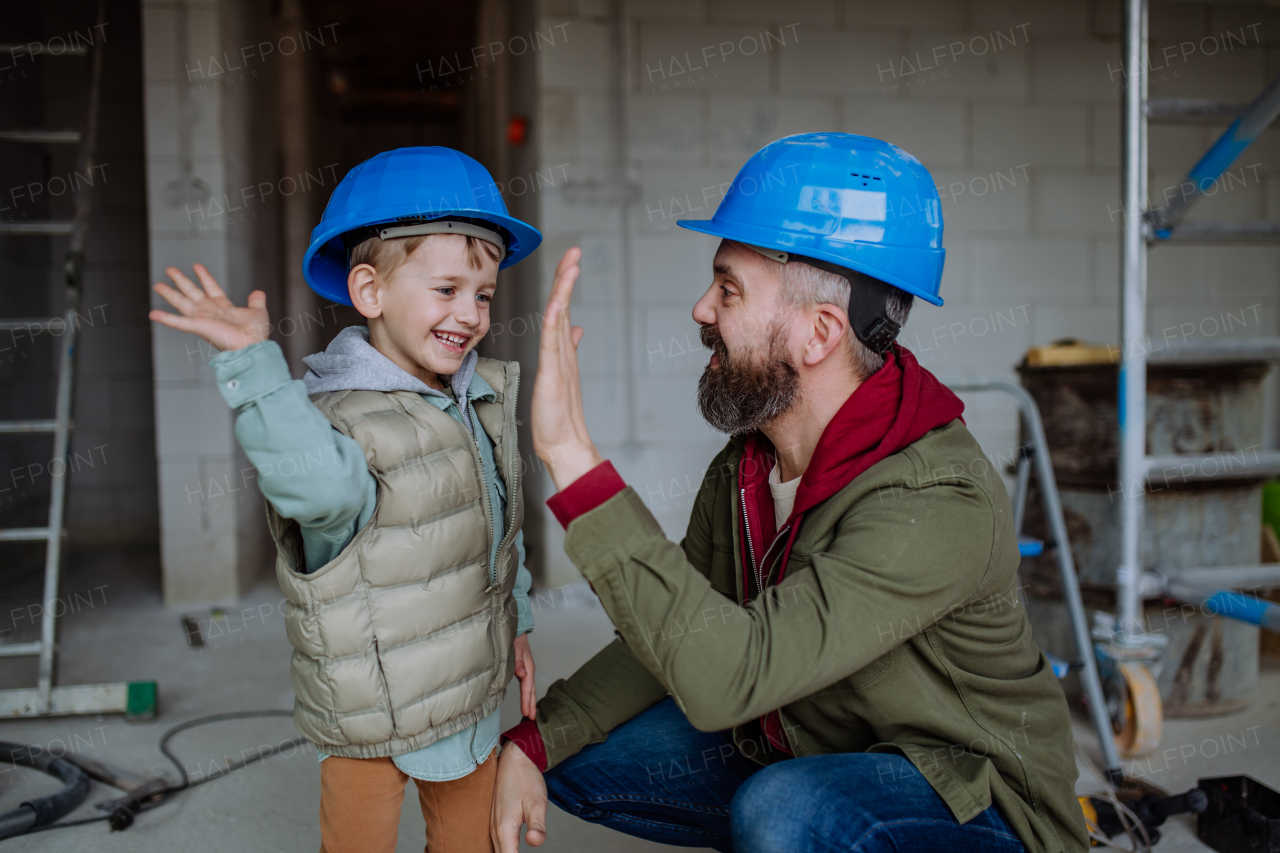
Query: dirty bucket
(1210, 665)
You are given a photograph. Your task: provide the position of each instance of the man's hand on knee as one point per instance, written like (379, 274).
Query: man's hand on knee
(519, 797)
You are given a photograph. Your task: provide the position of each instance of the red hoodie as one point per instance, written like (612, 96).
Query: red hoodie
(894, 408)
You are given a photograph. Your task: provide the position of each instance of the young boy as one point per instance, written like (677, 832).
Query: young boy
(393, 494)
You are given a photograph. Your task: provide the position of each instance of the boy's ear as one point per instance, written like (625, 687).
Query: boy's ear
(362, 287)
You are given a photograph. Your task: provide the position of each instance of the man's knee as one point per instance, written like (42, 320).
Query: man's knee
(766, 814)
(789, 806)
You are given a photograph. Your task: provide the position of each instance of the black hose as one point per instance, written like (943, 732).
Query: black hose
(40, 815)
(43, 810)
(18, 821)
(144, 800)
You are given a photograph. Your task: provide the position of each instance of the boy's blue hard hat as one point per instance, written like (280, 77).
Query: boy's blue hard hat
(856, 202)
(404, 186)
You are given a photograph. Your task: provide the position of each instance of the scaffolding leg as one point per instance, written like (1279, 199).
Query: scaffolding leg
(1133, 366)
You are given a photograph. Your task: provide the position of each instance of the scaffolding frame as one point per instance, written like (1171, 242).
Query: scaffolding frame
(1143, 228)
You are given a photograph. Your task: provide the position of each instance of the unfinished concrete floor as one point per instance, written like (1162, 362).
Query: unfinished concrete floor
(117, 629)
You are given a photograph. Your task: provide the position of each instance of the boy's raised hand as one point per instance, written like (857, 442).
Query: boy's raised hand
(210, 314)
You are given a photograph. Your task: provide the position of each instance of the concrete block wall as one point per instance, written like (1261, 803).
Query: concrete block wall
(1014, 108)
(209, 134)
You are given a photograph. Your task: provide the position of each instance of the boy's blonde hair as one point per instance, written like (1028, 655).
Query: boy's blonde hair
(386, 256)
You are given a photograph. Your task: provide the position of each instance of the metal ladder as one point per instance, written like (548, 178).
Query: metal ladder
(137, 700)
(1143, 228)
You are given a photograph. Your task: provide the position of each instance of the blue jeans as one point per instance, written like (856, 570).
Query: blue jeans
(659, 778)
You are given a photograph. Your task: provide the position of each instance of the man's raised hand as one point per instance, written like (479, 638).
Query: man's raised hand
(559, 424)
(210, 314)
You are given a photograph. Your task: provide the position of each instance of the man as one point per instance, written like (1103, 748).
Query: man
(835, 656)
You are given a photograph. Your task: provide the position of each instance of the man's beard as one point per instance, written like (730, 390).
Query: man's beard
(748, 391)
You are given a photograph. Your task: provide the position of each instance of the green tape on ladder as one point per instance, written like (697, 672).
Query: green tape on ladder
(142, 703)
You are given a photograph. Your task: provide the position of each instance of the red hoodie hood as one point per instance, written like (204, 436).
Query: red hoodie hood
(897, 406)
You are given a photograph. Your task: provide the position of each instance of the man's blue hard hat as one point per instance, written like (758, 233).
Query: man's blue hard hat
(852, 201)
(408, 185)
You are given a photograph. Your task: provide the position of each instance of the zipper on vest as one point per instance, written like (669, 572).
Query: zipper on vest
(512, 475)
(484, 488)
(512, 439)
(471, 747)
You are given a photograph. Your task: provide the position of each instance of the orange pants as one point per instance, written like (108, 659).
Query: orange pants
(360, 800)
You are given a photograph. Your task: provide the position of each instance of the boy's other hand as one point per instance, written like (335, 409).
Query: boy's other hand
(524, 672)
(210, 314)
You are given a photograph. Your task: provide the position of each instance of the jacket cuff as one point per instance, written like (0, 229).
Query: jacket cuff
(254, 371)
(586, 493)
(525, 735)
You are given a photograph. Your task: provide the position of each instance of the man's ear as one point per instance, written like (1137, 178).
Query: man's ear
(362, 287)
(828, 327)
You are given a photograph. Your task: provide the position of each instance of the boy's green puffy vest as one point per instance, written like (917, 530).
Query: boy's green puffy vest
(404, 638)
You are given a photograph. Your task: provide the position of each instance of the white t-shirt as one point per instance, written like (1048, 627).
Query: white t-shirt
(784, 496)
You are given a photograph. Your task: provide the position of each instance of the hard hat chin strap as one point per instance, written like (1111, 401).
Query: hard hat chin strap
(868, 299)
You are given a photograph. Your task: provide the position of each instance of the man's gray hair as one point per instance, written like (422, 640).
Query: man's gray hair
(804, 286)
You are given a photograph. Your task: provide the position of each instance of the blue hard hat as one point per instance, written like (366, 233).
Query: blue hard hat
(402, 186)
(852, 201)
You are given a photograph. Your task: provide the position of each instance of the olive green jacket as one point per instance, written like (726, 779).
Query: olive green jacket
(899, 627)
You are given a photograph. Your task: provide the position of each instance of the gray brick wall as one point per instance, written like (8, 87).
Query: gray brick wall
(213, 543)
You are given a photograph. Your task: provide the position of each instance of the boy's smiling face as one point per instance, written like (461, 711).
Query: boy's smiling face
(430, 311)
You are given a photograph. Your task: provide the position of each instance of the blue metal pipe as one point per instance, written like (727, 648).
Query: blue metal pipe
(1244, 608)
(1256, 118)
(1219, 157)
